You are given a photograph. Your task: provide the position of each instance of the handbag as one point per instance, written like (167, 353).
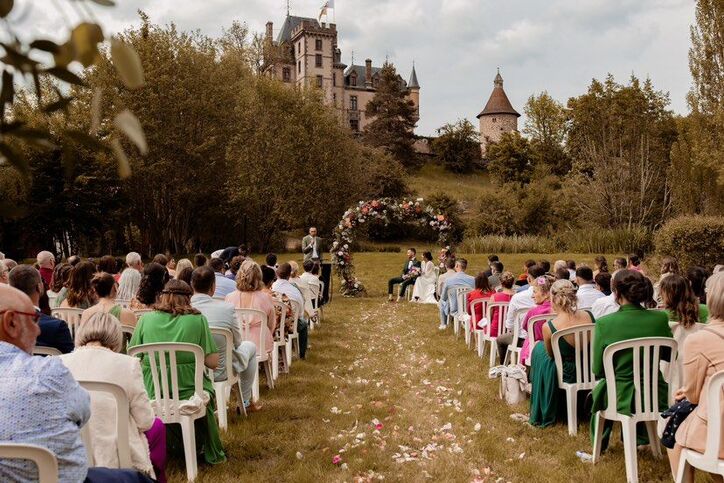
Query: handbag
(512, 384)
(671, 419)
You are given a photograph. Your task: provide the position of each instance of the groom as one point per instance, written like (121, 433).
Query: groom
(406, 279)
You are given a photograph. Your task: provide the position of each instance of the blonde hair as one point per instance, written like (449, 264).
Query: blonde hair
(507, 279)
(100, 327)
(248, 278)
(183, 263)
(715, 296)
(563, 296)
(559, 264)
(295, 269)
(543, 283)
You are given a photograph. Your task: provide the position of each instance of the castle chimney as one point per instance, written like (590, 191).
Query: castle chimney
(269, 30)
(368, 72)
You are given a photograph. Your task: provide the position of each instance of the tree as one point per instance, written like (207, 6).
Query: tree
(458, 146)
(394, 118)
(546, 127)
(510, 159)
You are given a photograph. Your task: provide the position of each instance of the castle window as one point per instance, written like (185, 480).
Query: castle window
(299, 48)
(334, 79)
(494, 119)
(299, 66)
(286, 75)
(376, 82)
(318, 60)
(319, 81)
(318, 44)
(353, 102)
(353, 80)
(354, 125)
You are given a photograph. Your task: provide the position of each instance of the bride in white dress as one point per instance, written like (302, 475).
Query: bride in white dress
(424, 289)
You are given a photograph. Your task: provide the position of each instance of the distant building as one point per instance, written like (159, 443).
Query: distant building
(305, 54)
(498, 116)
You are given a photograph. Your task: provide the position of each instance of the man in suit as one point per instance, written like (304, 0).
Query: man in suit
(53, 332)
(406, 279)
(449, 303)
(312, 246)
(221, 314)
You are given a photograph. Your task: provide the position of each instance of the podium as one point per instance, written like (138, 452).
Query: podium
(326, 276)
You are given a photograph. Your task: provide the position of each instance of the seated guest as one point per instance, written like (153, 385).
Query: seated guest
(603, 283)
(221, 314)
(632, 321)
(182, 264)
(73, 260)
(175, 320)
(545, 264)
(587, 292)
(682, 306)
(10, 263)
(229, 253)
(154, 279)
(234, 267)
(608, 304)
(523, 277)
(448, 300)
(199, 260)
(634, 263)
(562, 274)
(96, 358)
(171, 266)
(547, 401)
(496, 270)
(185, 275)
(560, 264)
(40, 401)
(507, 279)
(284, 286)
(161, 259)
(601, 265)
(46, 264)
(702, 356)
(107, 264)
(269, 276)
(443, 257)
(224, 286)
(423, 291)
(571, 264)
(491, 259)
(483, 291)
(80, 292)
(53, 332)
(130, 277)
(619, 264)
(542, 299)
(271, 261)
(407, 277)
(59, 283)
(697, 277)
(448, 271)
(308, 277)
(519, 305)
(106, 290)
(3, 273)
(249, 295)
(669, 266)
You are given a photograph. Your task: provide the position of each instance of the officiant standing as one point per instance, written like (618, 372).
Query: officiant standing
(312, 246)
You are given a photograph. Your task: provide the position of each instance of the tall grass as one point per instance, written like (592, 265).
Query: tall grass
(508, 244)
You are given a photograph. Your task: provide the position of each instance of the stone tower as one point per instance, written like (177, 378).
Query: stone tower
(414, 91)
(497, 117)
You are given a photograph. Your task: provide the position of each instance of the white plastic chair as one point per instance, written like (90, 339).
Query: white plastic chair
(122, 414)
(243, 316)
(166, 402)
(585, 379)
(460, 294)
(40, 350)
(487, 335)
(70, 315)
(532, 323)
(293, 336)
(320, 296)
(709, 460)
(646, 354)
(280, 341)
(223, 388)
(674, 370)
(315, 291)
(474, 333)
(43, 458)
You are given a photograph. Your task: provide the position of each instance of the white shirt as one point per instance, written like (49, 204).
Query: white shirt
(587, 294)
(314, 248)
(572, 274)
(604, 306)
(224, 286)
(519, 305)
(288, 289)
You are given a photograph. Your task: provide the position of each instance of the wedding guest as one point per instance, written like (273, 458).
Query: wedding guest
(507, 279)
(130, 277)
(603, 283)
(697, 277)
(587, 292)
(98, 342)
(679, 301)
(154, 279)
(271, 261)
(46, 262)
(423, 291)
(703, 356)
(312, 246)
(284, 286)
(107, 264)
(234, 267)
(634, 263)
(562, 273)
(496, 270)
(619, 264)
(571, 265)
(59, 283)
(449, 271)
(80, 292)
(669, 266)
(608, 304)
(10, 263)
(199, 260)
(269, 276)
(171, 267)
(601, 265)
(545, 264)
(560, 264)
(541, 297)
(448, 300)
(309, 277)
(53, 332)
(229, 253)
(632, 321)
(73, 260)
(522, 280)
(406, 278)
(185, 275)
(482, 290)
(182, 264)
(221, 314)
(443, 257)
(224, 286)
(3, 273)
(519, 305)
(107, 290)
(161, 259)
(175, 320)
(491, 259)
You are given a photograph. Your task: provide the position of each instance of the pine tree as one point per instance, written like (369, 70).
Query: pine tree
(394, 118)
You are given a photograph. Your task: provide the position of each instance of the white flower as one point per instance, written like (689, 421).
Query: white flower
(341, 262)
(340, 253)
(345, 246)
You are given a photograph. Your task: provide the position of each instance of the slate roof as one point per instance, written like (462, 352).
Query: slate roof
(290, 23)
(413, 80)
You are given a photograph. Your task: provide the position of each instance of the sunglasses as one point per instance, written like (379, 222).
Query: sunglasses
(34, 316)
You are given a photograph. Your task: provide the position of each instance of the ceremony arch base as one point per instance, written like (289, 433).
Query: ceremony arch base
(385, 210)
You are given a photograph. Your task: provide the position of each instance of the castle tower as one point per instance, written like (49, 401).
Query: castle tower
(414, 88)
(498, 116)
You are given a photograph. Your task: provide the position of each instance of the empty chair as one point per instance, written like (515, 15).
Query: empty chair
(43, 458)
(70, 315)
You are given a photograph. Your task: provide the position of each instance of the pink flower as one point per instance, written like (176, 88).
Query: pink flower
(337, 459)
(440, 217)
(379, 426)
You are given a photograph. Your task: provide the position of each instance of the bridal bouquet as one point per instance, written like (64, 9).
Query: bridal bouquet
(413, 273)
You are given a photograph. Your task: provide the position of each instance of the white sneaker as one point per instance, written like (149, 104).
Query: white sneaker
(442, 327)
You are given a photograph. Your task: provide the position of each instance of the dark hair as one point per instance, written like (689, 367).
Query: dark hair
(153, 280)
(161, 259)
(669, 265)
(243, 251)
(103, 283)
(535, 271)
(315, 269)
(585, 273)
(603, 280)
(120, 264)
(268, 275)
(284, 271)
(80, 290)
(427, 256)
(308, 265)
(601, 263)
(546, 265)
(571, 264)
(413, 250)
(482, 283)
(493, 258)
(107, 264)
(236, 263)
(529, 263)
(563, 274)
(498, 266)
(199, 260)
(450, 262)
(175, 299)
(619, 264)
(202, 279)
(697, 278)
(61, 275)
(632, 286)
(24, 278)
(634, 260)
(217, 264)
(271, 260)
(185, 275)
(679, 299)
(462, 262)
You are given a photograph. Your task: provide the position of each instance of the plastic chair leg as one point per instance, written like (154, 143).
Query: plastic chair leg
(598, 421)
(629, 448)
(572, 407)
(684, 474)
(268, 374)
(255, 388)
(288, 352)
(493, 353)
(221, 403)
(653, 439)
(275, 362)
(188, 434)
(241, 398)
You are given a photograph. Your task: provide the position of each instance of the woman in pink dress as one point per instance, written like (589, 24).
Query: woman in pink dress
(507, 279)
(541, 295)
(249, 294)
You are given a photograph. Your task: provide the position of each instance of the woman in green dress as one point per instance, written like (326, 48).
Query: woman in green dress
(174, 320)
(631, 321)
(547, 400)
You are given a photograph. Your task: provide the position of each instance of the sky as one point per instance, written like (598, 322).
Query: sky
(557, 46)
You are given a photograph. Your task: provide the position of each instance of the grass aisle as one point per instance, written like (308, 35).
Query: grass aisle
(396, 399)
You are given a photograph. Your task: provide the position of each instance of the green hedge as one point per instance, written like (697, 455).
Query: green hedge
(693, 240)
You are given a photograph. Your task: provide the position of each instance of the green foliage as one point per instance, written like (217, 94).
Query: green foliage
(545, 119)
(458, 146)
(507, 244)
(510, 160)
(495, 215)
(444, 203)
(617, 240)
(693, 240)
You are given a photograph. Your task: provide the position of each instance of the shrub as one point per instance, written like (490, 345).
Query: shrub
(508, 244)
(495, 215)
(693, 240)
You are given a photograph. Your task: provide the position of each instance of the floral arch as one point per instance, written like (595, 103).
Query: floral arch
(385, 210)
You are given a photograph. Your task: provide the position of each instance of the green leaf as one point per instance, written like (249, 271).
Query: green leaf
(45, 45)
(131, 127)
(127, 63)
(124, 167)
(5, 7)
(14, 159)
(8, 90)
(85, 38)
(65, 75)
(105, 3)
(61, 103)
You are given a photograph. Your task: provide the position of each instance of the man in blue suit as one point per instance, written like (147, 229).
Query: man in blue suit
(449, 304)
(53, 332)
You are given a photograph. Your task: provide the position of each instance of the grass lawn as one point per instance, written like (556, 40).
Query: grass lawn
(396, 399)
